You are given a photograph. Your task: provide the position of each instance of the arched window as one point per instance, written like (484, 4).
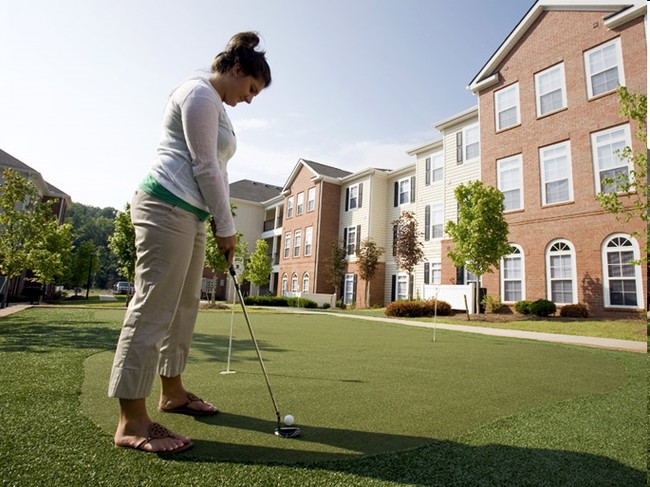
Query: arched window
(561, 272)
(305, 282)
(294, 283)
(512, 276)
(621, 280)
(285, 282)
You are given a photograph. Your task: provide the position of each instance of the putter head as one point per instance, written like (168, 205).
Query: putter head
(287, 431)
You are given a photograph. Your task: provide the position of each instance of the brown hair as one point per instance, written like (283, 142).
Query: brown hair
(241, 49)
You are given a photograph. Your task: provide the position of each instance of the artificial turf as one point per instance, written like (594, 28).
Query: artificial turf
(378, 404)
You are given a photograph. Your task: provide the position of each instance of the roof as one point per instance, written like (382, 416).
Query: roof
(253, 191)
(319, 170)
(619, 11)
(45, 188)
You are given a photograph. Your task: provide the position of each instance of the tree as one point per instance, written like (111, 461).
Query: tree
(50, 257)
(84, 265)
(215, 260)
(368, 255)
(408, 246)
(481, 234)
(122, 243)
(28, 230)
(630, 200)
(336, 266)
(259, 267)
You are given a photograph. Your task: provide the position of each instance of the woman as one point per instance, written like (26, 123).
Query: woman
(187, 184)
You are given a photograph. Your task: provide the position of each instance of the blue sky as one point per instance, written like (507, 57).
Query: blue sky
(356, 83)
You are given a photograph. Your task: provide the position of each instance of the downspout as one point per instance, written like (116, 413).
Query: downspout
(318, 221)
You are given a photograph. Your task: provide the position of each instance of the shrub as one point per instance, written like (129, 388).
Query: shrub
(266, 301)
(302, 303)
(542, 307)
(492, 303)
(523, 307)
(326, 306)
(574, 311)
(416, 309)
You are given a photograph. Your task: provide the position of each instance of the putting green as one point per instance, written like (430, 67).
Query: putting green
(356, 388)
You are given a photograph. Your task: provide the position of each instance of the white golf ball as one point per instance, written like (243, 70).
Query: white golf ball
(288, 420)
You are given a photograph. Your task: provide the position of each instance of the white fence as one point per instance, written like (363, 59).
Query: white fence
(320, 299)
(452, 294)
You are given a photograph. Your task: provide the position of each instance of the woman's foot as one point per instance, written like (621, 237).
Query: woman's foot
(186, 403)
(151, 438)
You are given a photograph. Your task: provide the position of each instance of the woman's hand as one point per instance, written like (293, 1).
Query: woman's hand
(225, 244)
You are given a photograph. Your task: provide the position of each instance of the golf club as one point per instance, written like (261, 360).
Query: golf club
(281, 431)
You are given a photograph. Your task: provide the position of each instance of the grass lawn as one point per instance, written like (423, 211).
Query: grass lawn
(378, 404)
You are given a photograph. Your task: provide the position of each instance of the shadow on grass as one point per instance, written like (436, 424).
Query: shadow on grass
(23, 335)
(438, 463)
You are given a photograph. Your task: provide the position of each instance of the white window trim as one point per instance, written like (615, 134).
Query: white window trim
(594, 153)
(297, 243)
(465, 144)
(440, 207)
(519, 159)
(405, 278)
(637, 273)
(311, 199)
(538, 95)
(569, 176)
(348, 281)
(619, 65)
(441, 157)
(300, 203)
(523, 274)
(498, 109)
(305, 277)
(574, 274)
(294, 283)
(290, 207)
(407, 192)
(309, 231)
(287, 245)
(356, 197)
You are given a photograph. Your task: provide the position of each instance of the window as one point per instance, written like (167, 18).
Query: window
(432, 272)
(512, 276)
(349, 289)
(351, 237)
(311, 199)
(509, 181)
(604, 68)
(437, 220)
(427, 171)
(550, 91)
(294, 283)
(561, 272)
(353, 197)
(437, 162)
(471, 142)
(555, 170)
(300, 206)
(506, 102)
(308, 236)
(621, 279)
(402, 287)
(610, 171)
(305, 282)
(290, 207)
(287, 245)
(404, 191)
(285, 282)
(297, 242)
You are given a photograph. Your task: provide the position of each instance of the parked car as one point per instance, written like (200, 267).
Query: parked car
(123, 287)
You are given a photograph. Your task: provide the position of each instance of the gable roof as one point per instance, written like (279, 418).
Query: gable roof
(320, 171)
(253, 191)
(621, 11)
(45, 188)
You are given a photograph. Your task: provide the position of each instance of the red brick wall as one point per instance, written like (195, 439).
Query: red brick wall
(560, 37)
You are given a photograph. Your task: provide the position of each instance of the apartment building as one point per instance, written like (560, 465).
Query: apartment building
(549, 129)
(312, 195)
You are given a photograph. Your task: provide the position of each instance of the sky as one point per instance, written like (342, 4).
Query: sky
(356, 83)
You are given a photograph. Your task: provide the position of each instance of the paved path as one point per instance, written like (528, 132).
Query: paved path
(609, 343)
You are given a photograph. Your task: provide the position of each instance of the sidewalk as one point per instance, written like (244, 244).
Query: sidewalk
(13, 308)
(608, 343)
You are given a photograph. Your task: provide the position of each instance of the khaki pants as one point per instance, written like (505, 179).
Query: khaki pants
(159, 322)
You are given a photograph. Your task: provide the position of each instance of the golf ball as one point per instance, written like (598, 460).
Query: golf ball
(288, 420)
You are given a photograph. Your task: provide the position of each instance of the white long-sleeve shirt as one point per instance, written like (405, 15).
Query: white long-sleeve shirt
(196, 143)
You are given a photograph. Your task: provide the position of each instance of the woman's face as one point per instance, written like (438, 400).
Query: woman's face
(241, 87)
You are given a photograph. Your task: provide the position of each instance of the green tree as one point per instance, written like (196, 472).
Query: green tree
(630, 200)
(481, 234)
(368, 255)
(85, 264)
(336, 266)
(122, 243)
(50, 257)
(259, 267)
(408, 246)
(215, 260)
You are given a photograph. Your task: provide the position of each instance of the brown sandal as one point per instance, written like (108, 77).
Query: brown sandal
(185, 409)
(157, 431)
